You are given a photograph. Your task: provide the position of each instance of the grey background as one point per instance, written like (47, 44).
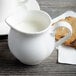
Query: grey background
(57, 7)
(10, 66)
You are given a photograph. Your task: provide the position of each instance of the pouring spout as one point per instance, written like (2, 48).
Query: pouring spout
(18, 16)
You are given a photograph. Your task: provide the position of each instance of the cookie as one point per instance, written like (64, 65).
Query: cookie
(61, 32)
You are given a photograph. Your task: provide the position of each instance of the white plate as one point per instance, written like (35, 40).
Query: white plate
(4, 28)
(66, 54)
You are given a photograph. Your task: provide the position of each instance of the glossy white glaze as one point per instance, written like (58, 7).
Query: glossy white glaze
(32, 48)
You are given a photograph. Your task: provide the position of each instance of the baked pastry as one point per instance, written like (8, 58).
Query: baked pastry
(61, 32)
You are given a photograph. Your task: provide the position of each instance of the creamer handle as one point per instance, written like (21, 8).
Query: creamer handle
(62, 24)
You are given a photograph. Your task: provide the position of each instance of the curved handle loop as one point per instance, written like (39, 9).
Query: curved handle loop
(66, 25)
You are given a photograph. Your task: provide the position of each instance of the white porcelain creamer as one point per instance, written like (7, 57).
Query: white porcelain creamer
(32, 38)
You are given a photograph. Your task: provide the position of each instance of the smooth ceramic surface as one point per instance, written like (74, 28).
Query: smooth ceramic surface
(8, 7)
(33, 48)
(67, 55)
